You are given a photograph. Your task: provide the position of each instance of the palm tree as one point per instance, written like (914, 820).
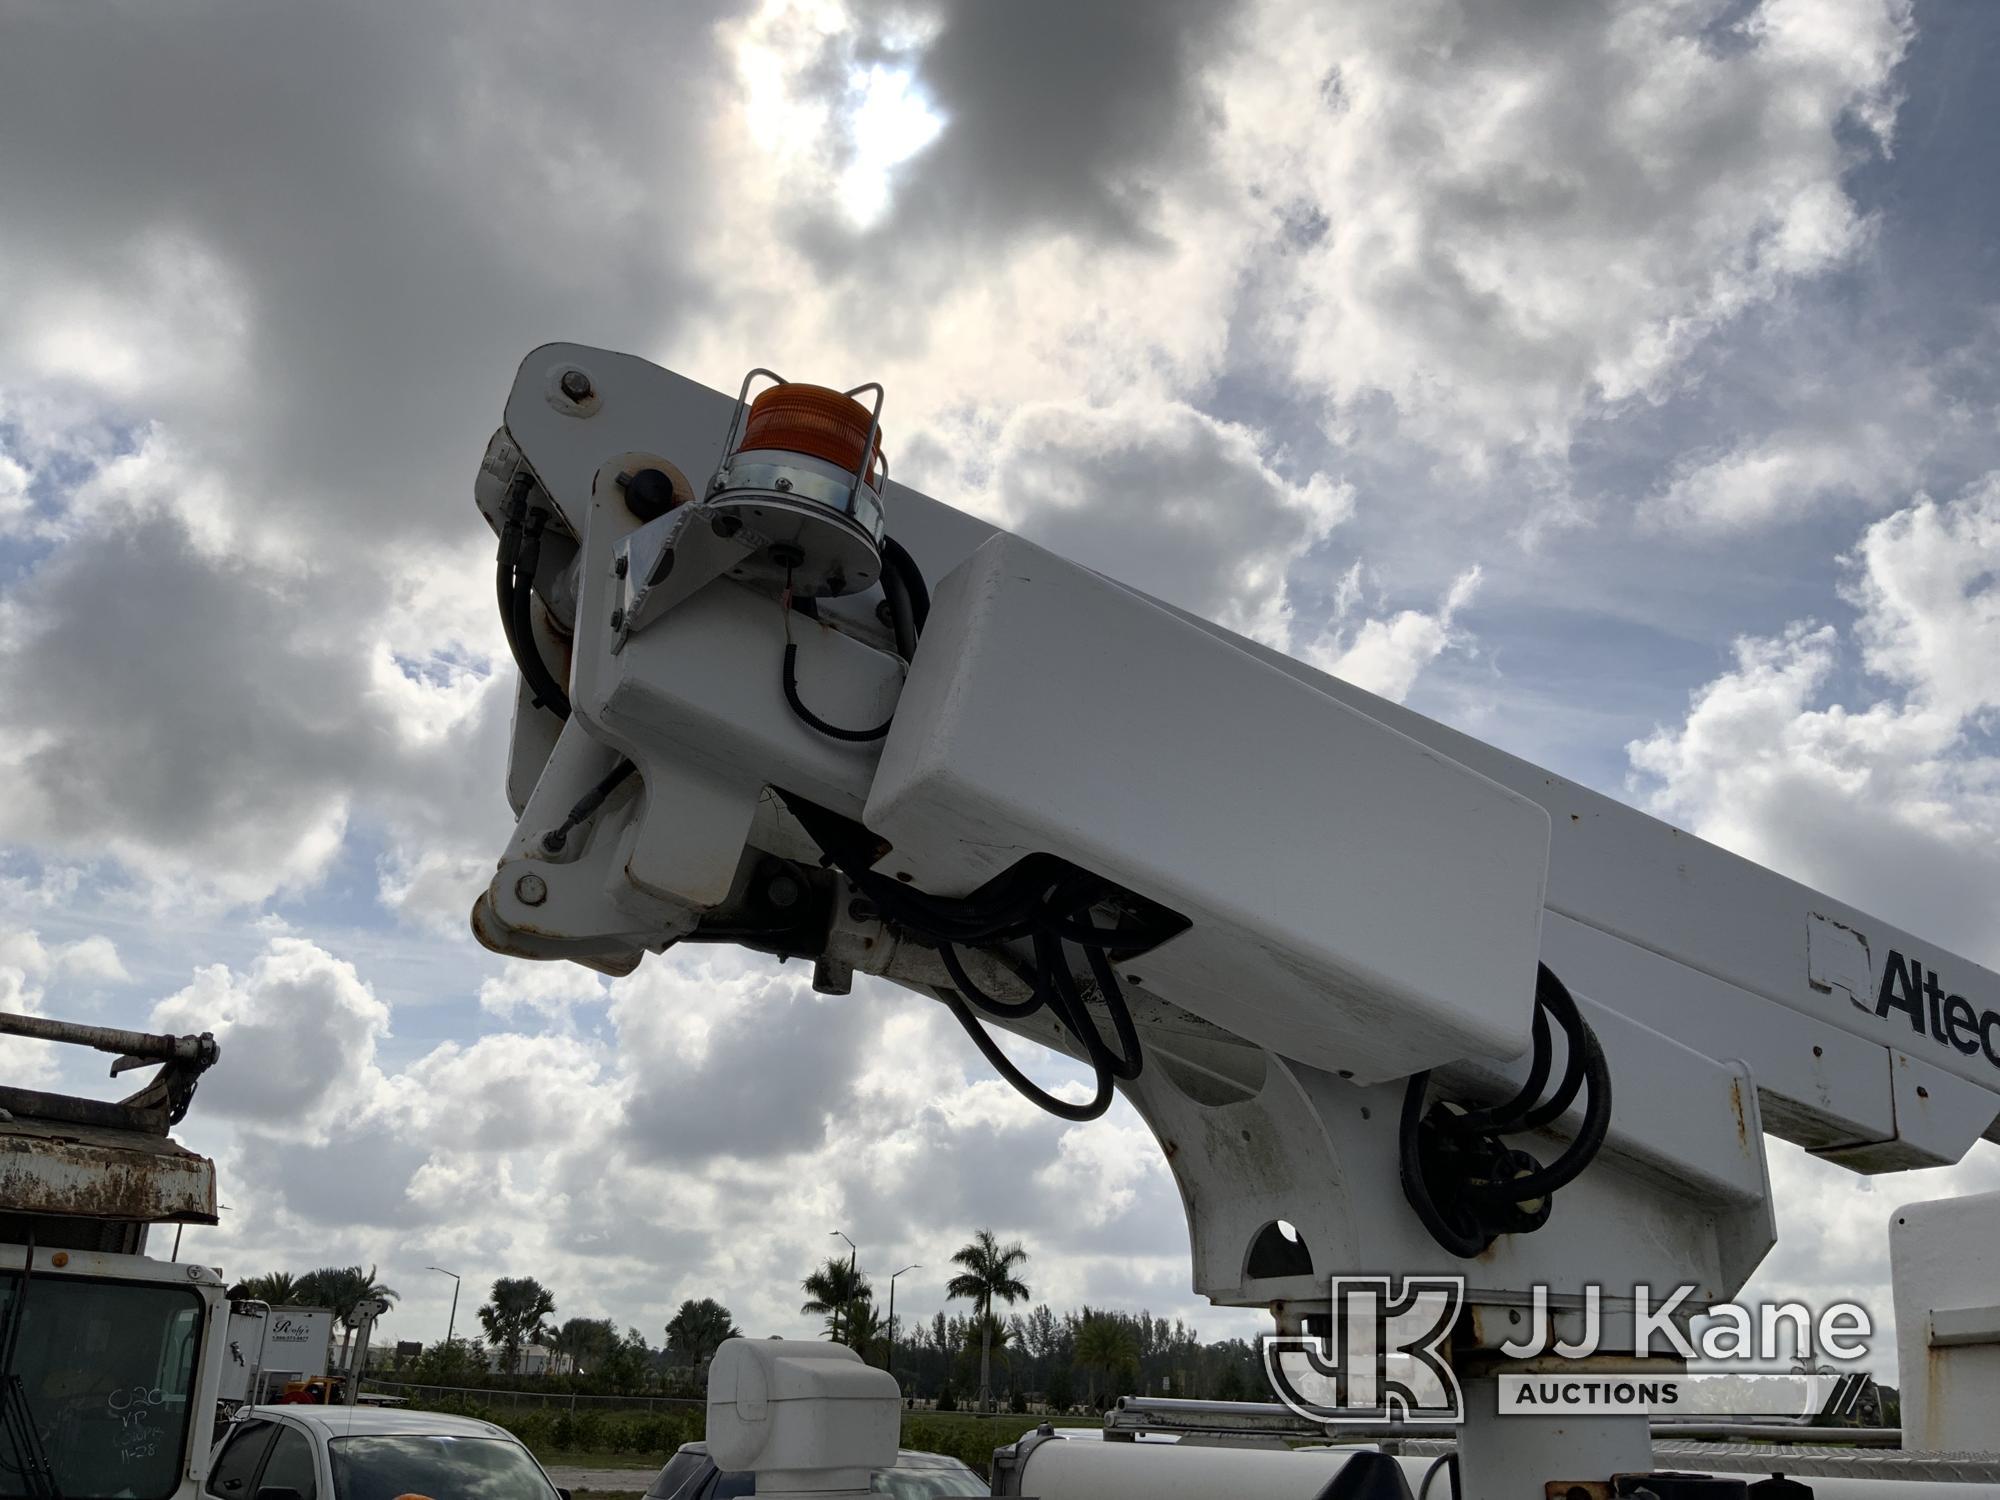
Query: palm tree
(342, 1288)
(515, 1316)
(989, 1273)
(994, 1336)
(582, 1344)
(1105, 1343)
(698, 1330)
(831, 1289)
(279, 1288)
(865, 1326)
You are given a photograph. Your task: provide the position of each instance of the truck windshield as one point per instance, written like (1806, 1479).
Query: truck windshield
(463, 1468)
(106, 1370)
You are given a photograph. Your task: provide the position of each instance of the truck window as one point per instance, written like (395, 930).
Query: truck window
(290, 1466)
(236, 1465)
(105, 1369)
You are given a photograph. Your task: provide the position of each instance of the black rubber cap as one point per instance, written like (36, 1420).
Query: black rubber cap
(649, 494)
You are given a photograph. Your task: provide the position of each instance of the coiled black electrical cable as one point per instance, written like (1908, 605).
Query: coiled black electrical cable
(1466, 1186)
(797, 704)
(909, 602)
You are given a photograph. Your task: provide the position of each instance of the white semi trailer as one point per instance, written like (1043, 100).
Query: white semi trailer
(111, 1358)
(1393, 1002)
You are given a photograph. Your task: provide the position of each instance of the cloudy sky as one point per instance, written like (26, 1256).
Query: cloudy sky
(1614, 381)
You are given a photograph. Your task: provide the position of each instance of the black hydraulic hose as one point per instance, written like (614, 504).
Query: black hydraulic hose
(510, 549)
(1010, 1010)
(1030, 899)
(1502, 1118)
(1553, 993)
(1568, 1166)
(1456, 1239)
(902, 612)
(1029, 1089)
(897, 562)
(831, 731)
(542, 684)
(1129, 1059)
(1485, 1207)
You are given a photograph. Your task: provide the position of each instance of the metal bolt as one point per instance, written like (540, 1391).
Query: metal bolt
(575, 385)
(620, 565)
(617, 618)
(532, 890)
(726, 525)
(781, 483)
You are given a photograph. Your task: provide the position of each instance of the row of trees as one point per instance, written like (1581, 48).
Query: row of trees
(1063, 1360)
(1066, 1359)
(342, 1288)
(987, 1273)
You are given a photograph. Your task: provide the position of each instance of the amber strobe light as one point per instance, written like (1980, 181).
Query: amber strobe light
(815, 421)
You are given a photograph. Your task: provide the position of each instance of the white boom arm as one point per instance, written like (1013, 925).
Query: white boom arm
(1254, 897)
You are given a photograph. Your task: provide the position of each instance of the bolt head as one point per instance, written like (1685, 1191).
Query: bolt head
(620, 565)
(726, 525)
(617, 619)
(532, 890)
(575, 385)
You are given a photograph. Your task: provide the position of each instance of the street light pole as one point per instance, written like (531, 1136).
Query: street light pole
(891, 1366)
(452, 1321)
(851, 1252)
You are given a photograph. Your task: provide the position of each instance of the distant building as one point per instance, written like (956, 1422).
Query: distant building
(534, 1359)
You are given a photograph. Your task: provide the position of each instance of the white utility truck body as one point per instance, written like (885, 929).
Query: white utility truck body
(269, 1346)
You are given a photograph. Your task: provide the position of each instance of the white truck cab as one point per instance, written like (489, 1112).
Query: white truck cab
(110, 1359)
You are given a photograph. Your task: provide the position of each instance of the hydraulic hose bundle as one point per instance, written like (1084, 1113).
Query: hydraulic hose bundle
(1043, 900)
(520, 554)
(1465, 1183)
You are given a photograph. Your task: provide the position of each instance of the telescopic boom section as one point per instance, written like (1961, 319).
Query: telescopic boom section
(1387, 996)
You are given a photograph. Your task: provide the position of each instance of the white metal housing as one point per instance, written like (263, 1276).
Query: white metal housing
(806, 1418)
(1946, 1260)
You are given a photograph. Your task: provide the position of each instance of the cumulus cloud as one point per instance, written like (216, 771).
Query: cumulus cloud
(1518, 209)
(550, 989)
(1891, 801)
(1172, 287)
(298, 1031)
(1386, 654)
(1169, 500)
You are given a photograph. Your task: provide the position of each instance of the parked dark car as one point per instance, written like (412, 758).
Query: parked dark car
(692, 1475)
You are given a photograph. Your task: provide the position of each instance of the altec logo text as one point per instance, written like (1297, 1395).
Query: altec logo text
(1948, 1019)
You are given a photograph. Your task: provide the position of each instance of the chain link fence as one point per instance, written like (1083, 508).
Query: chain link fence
(501, 1400)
